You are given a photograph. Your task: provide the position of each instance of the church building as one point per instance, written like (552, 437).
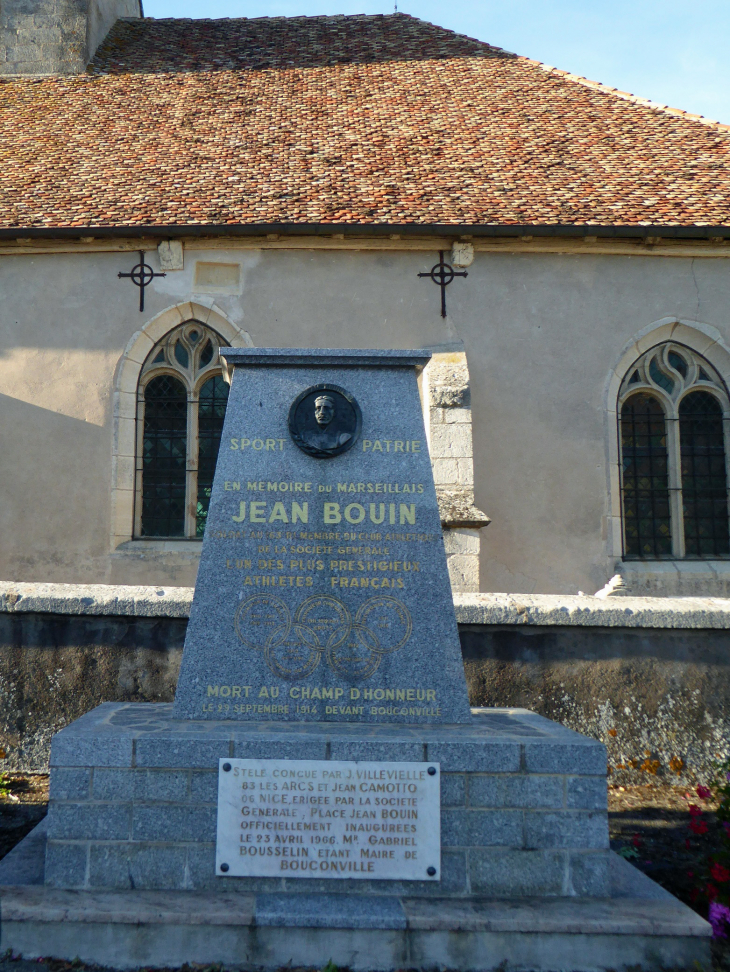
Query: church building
(172, 187)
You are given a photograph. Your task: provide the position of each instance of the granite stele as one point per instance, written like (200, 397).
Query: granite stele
(323, 592)
(320, 790)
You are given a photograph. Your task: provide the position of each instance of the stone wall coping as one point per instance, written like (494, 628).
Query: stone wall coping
(565, 610)
(96, 599)
(582, 610)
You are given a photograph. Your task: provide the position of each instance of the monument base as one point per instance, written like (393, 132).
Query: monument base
(133, 802)
(639, 926)
(122, 871)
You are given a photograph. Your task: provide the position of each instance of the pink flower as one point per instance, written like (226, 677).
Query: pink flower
(694, 810)
(704, 793)
(719, 919)
(698, 827)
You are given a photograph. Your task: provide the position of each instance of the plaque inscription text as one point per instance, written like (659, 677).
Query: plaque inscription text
(329, 819)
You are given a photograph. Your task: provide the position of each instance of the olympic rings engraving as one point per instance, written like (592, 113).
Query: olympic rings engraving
(293, 647)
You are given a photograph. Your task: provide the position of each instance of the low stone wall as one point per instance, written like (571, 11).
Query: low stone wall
(647, 676)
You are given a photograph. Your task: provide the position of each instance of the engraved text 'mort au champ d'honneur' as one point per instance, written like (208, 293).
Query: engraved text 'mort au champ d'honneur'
(323, 592)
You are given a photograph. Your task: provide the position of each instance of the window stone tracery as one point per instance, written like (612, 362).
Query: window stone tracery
(181, 403)
(674, 421)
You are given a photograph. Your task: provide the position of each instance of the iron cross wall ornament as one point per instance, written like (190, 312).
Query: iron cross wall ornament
(141, 275)
(442, 273)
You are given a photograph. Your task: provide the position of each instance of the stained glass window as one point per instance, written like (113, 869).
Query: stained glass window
(179, 431)
(704, 477)
(211, 412)
(164, 453)
(647, 521)
(673, 458)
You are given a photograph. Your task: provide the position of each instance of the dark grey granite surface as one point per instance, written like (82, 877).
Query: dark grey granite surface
(494, 740)
(134, 795)
(323, 592)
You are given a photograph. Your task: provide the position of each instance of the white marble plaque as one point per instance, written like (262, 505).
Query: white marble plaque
(306, 818)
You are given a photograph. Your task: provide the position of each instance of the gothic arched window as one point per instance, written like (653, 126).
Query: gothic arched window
(181, 404)
(673, 416)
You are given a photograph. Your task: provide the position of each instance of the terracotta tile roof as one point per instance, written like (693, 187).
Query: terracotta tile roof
(343, 120)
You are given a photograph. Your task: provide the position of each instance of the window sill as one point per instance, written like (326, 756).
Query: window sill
(676, 578)
(676, 566)
(182, 550)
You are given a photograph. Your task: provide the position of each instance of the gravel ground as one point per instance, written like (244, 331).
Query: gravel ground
(647, 824)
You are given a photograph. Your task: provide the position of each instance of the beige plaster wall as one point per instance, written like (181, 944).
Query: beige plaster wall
(542, 334)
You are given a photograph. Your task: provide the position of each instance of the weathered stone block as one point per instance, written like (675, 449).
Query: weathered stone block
(445, 471)
(66, 864)
(370, 749)
(516, 791)
(449, 396)
(162, 785)
(330, 911)
(451, 442)
(589, 875)
(192, 752)
(463, 572)
(113, 784)
(506, 873)
(476, 757)
(481, 828)
(89, 821)
(453, 878)
(456, 415)
(78, 749)
(202, 874)
(465, 472)
(174, 823)
(587, 793)
(453, 790)
(70, 784)
(204, 788)
(132, 866)
(556, 757)
(571, 829)
(461, 541)
(297, 747)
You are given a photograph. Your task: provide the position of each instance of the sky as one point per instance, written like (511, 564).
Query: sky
(672, 51)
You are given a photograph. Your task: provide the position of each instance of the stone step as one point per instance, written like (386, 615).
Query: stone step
(641, 924)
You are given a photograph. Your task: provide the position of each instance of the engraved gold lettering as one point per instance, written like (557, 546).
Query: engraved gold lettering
(332, 513)
(408, 513)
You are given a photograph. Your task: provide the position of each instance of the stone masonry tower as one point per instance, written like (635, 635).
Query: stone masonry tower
(56, 36)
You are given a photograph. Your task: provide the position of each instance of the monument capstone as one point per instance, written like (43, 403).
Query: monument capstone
(323, 592)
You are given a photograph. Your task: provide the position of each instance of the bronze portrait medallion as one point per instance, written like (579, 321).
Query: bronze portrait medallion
(324, 421)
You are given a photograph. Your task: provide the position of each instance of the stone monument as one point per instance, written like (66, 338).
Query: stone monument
(323, 593)
(320, 788)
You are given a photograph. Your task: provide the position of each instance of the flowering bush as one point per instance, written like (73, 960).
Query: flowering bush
(714, 883)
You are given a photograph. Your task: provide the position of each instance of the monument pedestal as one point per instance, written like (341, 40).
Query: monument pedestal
(134, 793)
(527, 877)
